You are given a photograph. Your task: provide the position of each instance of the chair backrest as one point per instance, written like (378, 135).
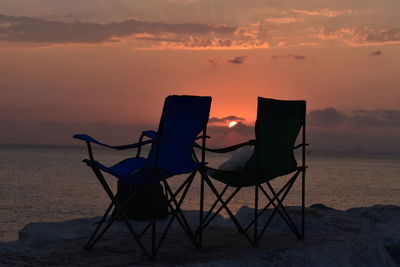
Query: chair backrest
(182, 120)
(277, 127)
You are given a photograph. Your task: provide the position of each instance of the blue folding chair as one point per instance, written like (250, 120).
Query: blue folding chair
(183, 120)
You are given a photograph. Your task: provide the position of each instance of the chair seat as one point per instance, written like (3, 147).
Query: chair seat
(133, 171)
(123, 168)
(247, 177)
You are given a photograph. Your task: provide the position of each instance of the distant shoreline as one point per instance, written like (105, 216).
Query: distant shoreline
(310, 152)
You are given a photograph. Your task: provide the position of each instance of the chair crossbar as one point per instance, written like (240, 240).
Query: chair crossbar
(224, 206)
(277, 207)
(178, 214)
(269, 204)
(99, 224)
(206, 223)
(120, 211)
(215, 203)
(282, 210)
(182, 186)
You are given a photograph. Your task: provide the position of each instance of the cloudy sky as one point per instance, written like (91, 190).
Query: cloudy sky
(104, 67)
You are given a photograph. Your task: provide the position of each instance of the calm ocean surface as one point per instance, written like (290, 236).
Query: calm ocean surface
(45, 183)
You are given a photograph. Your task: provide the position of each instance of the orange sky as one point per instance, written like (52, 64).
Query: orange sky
(73, 66)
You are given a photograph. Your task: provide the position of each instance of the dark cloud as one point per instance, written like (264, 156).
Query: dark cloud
(358, 141)
(211, 60)
(238, 60)
(361, 35)
(376, 53)
(377, 139)
(240, 128)
(325, 117)
(384, 35)
(160, 39)
(329, 132)
(331, 117)
(243, 128)
(299, 57)
(222, 135)
(28, 29)
(225, 119)
(198, 42)
(375, 118)
(296, 57)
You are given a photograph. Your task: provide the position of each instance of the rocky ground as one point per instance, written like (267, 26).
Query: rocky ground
(356, 237)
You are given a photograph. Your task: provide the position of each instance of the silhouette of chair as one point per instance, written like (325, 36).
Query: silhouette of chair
(277, 127)
(183, 119)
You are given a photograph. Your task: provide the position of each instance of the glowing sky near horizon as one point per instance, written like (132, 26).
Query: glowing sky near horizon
(70, 66)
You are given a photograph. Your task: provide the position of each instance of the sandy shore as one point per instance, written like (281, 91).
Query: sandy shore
(356, 237)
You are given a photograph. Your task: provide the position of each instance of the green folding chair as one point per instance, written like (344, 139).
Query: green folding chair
(277, 127)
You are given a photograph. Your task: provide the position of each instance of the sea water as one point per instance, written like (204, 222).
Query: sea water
(51, 183)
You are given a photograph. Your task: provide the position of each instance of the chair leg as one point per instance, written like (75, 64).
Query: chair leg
(181, 187)
(279, 207)
(207, 222)
(100, 223)
(168, 203)
(255, 215)
(284, 214)
(153, 230)
(120, 211)
(136, 238)
(215, 203)
(282, 211)
(269, 203)
(267, 223)
(155, 246)
(224, 206)
(303, 181)
(177, 213)
(199, 231)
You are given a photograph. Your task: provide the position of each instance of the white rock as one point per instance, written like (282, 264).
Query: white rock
(356, 237)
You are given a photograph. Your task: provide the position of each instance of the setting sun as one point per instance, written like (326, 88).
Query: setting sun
(232, 123)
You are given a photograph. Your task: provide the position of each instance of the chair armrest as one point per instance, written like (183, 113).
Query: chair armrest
(202, 136)
(90, 139)
(300, 145)
(150, 134)
(226, 149)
